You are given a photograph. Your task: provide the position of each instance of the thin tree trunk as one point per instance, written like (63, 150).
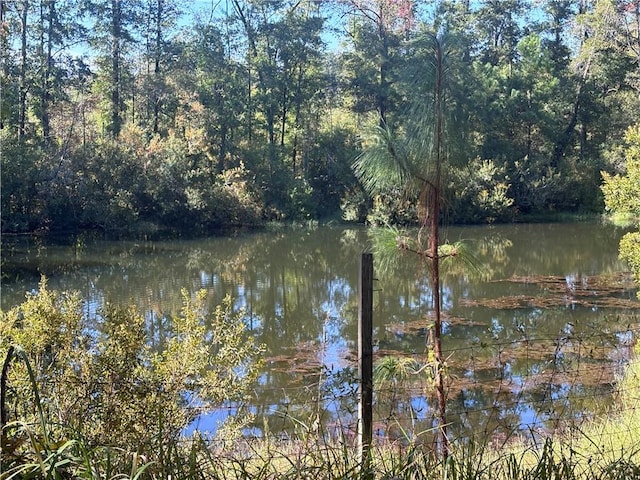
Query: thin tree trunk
(222, 152)
(47, 61)
(116, 33)
(298, 107)
(252, 53)
(156, 66)
(435, 260)
(383, 94)
(46, 127)
(283, 124)
(249, 105)
(22, 106)
(3, 49)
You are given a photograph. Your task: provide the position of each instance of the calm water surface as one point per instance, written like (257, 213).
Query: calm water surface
(536, 337)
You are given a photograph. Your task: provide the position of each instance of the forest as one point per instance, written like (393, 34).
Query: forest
(146, 115)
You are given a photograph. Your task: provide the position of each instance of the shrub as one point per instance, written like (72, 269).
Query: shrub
(480, 193)
(622, 196)
(104, 384)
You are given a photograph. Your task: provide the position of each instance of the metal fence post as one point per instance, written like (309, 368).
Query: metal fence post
(365, 359)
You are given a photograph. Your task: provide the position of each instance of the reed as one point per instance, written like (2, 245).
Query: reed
(199, 457)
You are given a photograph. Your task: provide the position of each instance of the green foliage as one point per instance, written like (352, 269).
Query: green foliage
(622, 191)
(330, 177)
(22, 207)
(99, 381)
(630, 253)
(354, 206)
(290, 198)
(385, 162)
(160, 182)
(404, 160)
(392, 207)
(374, 59)
(480, 193)
(393, 371)
(622, 196)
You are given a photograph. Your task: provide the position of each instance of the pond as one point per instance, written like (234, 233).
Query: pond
(533, 340)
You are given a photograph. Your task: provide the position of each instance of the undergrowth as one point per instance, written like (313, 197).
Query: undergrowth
(200, 457)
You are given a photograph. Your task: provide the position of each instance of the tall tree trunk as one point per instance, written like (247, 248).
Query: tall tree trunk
(4, 47)
(285, 104)
(46, 46)
(583, 142)
(252, 53)
(298, 108)
(565, 139)
(22, 100)
(222, 152)
(383, 94)
(156, 65)
(116, 35)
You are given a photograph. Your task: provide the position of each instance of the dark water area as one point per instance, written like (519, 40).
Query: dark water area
(533, 338)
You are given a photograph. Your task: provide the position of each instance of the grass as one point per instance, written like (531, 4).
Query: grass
(308, 458)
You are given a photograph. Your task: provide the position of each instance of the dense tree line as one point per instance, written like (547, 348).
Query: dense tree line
(162, 113)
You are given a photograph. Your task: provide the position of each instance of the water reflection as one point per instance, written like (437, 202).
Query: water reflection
(532, 338)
